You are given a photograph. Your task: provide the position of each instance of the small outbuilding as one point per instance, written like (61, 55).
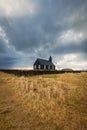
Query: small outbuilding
(41, 64)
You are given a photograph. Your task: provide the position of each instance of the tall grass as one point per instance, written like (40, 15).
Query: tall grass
(52, 102)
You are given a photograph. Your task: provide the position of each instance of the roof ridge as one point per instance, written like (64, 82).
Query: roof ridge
(42, 59)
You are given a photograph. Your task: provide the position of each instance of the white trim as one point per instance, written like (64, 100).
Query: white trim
(49, 67)
(44, 67)
(52, 67)
(39, 66)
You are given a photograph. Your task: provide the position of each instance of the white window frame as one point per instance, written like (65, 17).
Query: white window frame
(49, 67)
(39, 66)
(52, 67)
(44, 67)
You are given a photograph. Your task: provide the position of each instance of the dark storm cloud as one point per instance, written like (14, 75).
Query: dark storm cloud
(2, 46)
(70, 48)
(84, 46)
(36, 34)
(28, 33)
(7, 62)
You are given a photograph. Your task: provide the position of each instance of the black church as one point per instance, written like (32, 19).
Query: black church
(42, 64)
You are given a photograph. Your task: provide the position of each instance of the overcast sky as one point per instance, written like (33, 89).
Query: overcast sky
(31, 29)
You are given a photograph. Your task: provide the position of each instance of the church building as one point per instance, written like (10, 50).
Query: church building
(42, 64)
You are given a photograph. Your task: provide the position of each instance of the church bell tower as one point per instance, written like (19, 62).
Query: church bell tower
(50, 59)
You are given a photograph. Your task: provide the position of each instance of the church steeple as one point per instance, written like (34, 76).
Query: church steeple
(50, 59)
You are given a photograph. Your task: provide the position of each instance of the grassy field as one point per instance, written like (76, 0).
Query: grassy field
(44, 102)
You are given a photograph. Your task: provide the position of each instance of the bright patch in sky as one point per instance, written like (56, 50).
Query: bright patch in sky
(71, 36)
(71, 61)
(4, 37)
(17, 8)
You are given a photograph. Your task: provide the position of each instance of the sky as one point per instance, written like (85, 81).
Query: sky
(31, 29)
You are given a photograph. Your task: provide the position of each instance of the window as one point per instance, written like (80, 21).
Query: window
(47, 67)
(51, 67)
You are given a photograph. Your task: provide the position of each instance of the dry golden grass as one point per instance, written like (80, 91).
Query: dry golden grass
(45, 102)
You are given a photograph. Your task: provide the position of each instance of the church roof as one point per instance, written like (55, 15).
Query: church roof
(44, 62)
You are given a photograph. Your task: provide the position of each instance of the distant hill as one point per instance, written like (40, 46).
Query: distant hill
(67, 69)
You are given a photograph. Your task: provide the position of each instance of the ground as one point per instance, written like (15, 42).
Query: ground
(43, 102)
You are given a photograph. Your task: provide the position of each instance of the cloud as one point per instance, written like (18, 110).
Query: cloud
(2, 46)
(74, 61)
(17, 8)
(3, 41)
(41, 28)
